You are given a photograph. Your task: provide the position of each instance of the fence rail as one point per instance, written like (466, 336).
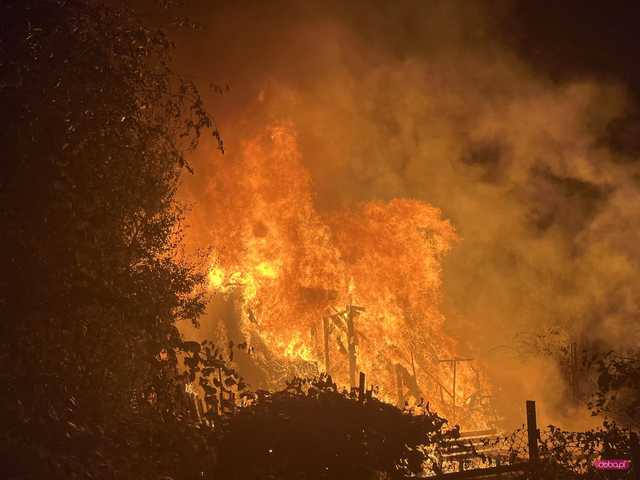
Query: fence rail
(525, 450)
(485, 446)
(484, 472)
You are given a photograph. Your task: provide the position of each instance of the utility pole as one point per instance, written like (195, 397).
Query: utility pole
(454, 365)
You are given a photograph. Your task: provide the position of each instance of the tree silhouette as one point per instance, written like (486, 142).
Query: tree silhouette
(95, 130)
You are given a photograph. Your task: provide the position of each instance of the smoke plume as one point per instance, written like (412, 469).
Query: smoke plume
(426, 100)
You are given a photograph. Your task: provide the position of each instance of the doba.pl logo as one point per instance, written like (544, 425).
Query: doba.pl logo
(612, 464)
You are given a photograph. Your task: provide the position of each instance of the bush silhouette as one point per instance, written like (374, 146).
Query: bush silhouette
(312, 430)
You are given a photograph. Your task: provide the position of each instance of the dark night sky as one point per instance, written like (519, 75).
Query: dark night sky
(573, 38)
(576, 37)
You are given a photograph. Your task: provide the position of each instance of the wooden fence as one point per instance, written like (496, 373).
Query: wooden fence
(482, 444)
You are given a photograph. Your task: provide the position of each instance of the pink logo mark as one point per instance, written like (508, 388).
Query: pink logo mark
(612, 464)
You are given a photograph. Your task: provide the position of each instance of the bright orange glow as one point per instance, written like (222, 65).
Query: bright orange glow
(298, 349)
(267, 269)
(291, 267)
(216, 277)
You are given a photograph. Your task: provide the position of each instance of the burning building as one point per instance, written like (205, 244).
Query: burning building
(342, 292)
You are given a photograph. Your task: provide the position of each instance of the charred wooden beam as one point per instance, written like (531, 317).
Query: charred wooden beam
(361, 387)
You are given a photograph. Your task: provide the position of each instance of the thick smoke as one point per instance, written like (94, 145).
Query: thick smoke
(426, 100)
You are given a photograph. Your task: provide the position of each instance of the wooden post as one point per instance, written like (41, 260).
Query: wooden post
(325, 327)
(361, 387)
(635, 455)
(351, 333)
(532, 431)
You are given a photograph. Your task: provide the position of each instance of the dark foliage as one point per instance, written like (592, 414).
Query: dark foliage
(618, 393)
(312, 430)
(571, 454)
(567, 455)
(219, 384)
(95, 128)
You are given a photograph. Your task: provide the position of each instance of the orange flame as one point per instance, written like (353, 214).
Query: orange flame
(293, 266)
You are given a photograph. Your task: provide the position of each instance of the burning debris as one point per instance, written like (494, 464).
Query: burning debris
(337, 292)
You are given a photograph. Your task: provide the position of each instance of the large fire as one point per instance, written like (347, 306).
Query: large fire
(342, 292)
